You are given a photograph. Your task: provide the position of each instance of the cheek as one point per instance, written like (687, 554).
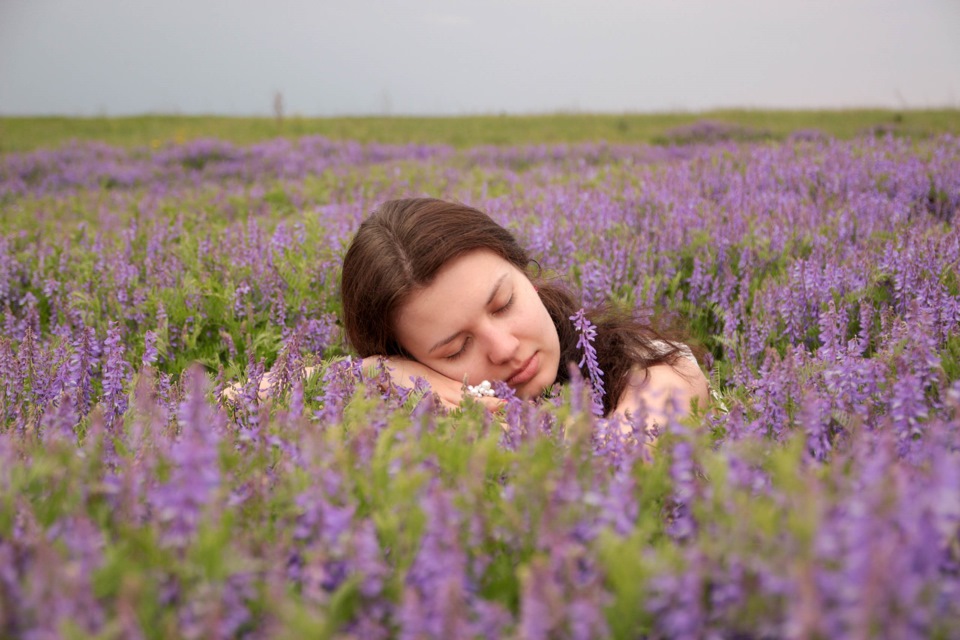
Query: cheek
(546, 324)
(469, 366)
(552, 339)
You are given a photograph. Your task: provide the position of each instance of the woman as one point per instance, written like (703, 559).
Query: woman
(438, 290)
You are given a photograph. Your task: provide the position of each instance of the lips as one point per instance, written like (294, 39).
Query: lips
(526, 372)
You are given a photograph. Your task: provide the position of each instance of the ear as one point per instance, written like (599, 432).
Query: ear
(538, 271)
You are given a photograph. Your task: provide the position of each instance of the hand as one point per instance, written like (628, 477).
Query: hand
(232, 392)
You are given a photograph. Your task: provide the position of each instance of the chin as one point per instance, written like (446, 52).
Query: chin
(536, 387)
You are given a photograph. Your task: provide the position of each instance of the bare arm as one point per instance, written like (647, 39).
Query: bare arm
(232, 392)
(403, 372)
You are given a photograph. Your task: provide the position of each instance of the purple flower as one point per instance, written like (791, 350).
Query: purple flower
(195, 477)
(86, 353)
(596, 282)
(115, 370)
(683, 474)
(587, 334)
(619, 508)
(339, 382)
(676, 604)
(435, 601)
(149, 348)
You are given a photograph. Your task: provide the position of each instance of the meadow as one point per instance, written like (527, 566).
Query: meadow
(19, 134)
(818, 496)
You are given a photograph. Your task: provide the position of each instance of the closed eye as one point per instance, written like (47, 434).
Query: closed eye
(505, 307)
(496, 312)
(459, 353)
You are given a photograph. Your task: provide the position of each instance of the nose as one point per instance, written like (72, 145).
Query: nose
(502, 346)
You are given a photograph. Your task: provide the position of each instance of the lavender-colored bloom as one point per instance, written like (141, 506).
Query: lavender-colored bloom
(289, 365)
(195, 476)
(596, 282)
(815, 419)
(296, 400)
(676, 604)
(319, 333)
(114, 375)
(540, 600)
(587, 334)
(908, 407)
(321, 520)
(619, 506)
(339, 383)
(515, 430)
(683, 474)
(11, 618)
(217, 610)
(149, 348)
(561, 591)
(9, 374)
(85, 544)
(369, 561)
(435, 603)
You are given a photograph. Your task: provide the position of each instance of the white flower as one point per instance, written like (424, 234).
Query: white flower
(484, 389)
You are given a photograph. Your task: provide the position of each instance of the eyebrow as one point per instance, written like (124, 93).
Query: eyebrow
(493, 294)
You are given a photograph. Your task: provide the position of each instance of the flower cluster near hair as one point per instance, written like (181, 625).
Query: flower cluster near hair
(587, 333)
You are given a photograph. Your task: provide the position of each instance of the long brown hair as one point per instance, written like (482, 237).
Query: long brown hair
(404, 243)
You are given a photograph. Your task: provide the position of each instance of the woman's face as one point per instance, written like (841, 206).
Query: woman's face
(481, 319)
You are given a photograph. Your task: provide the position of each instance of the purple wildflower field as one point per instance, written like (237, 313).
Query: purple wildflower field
(818, 496)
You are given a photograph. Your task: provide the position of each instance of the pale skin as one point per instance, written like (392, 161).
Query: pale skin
(656, 393)
(482, 319)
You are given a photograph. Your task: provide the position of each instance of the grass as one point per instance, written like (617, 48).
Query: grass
(30, 133)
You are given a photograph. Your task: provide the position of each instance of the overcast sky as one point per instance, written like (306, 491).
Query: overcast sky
(117, 57)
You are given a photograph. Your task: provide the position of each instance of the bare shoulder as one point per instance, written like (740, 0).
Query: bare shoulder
(684, 375)
(655, 387)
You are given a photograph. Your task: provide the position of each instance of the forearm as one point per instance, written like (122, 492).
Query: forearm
(232, 392)
(405, 372)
